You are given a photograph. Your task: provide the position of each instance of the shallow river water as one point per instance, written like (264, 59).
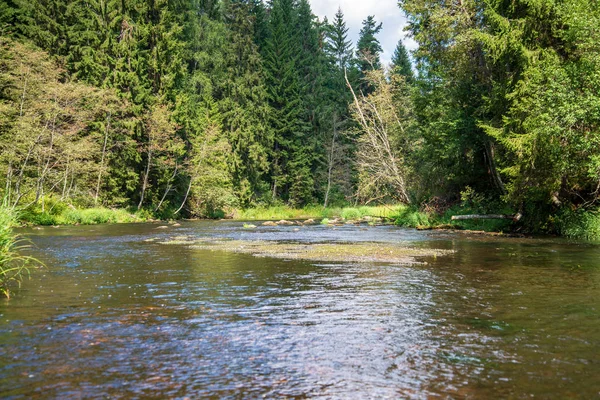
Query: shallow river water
(117, 316)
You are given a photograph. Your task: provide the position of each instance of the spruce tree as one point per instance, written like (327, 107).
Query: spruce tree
(244, 105)
(369, 48)
(261, 22)
(337, 43)
(401, 62)
(285, 95)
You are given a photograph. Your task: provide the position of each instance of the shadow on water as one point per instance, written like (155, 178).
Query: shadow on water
(117, 315)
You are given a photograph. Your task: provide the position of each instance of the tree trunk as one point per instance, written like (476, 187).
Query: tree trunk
(102, 159)
(185, 198)
(145, 182)
(330, 160)
(515, 217)
(168, 189)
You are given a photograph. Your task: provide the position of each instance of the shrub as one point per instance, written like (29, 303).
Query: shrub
(351, 213)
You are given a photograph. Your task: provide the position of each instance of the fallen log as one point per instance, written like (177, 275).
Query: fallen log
(515, 217)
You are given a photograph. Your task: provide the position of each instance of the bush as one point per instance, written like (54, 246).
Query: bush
(351, 213)
(580, 224)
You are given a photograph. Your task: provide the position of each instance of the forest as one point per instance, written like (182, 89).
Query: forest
(195, 108)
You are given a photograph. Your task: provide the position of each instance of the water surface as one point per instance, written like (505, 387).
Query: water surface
(117, 316)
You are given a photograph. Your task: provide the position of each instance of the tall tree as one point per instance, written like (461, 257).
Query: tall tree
(368, 47)
(244, 106)
(338, 45)
(401, 62)
(285, 95)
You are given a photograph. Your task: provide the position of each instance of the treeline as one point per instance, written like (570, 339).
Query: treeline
(190, 107)
(507, 102)
(178, 106)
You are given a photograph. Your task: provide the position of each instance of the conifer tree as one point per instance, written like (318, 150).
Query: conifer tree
(369, 48)
(337, 179)
(401, 62)
(285, 95)
(338, 45)
(244, 105)
(261, 22)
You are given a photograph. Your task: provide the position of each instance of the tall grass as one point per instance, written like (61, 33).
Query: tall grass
(578, 224)
(14, 267)
(76, 216)
(316, 212)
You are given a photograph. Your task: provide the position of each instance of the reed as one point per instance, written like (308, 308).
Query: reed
(14, 267)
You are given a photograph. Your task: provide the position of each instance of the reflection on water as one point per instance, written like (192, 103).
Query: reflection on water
(117, 316)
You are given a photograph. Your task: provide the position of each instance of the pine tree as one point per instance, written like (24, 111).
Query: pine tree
(337, 45)
(401, 62)
(369, 48)
(244, 106)
(285, 95)
(261, 22)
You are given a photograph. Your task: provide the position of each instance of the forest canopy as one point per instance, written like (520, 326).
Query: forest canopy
(188, 108)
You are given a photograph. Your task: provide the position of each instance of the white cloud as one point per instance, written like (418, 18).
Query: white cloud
(355, 11)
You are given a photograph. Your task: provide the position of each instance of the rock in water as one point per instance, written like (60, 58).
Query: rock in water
(283, 222)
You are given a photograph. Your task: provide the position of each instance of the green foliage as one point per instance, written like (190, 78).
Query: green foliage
(401, 62)
(579, 224)
(411, 217)
(196, 108)
(368, 46)
(350, 213)
(14, 267)
(316, 212)
(59, 213)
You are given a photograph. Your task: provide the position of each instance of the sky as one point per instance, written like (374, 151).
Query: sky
(355, 11)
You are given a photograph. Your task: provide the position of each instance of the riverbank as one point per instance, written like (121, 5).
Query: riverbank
(401, 215)
(85, 216)
(567, 223)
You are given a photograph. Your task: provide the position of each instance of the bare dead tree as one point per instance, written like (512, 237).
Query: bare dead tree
(380, 163)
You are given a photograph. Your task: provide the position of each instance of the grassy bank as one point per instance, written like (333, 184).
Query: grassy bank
(572, 224)
(316, 212)
(14, 267)
(578, 224)
(402, 215)
(65, 215)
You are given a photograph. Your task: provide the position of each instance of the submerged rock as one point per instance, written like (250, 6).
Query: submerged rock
(283, 222)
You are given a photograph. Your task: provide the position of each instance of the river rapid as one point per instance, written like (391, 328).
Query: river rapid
(117, 314)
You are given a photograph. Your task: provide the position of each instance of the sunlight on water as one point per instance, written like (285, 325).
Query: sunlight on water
(116, 314)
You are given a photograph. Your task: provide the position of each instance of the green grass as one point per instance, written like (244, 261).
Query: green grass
(14, 268)
(582, 224)
(315, 212)
(76, 216)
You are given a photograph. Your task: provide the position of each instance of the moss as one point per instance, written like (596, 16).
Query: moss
(330, 252)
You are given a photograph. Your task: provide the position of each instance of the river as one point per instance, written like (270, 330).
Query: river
(116, 314)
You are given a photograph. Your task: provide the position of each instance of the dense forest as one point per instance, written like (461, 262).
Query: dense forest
(188, 108)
